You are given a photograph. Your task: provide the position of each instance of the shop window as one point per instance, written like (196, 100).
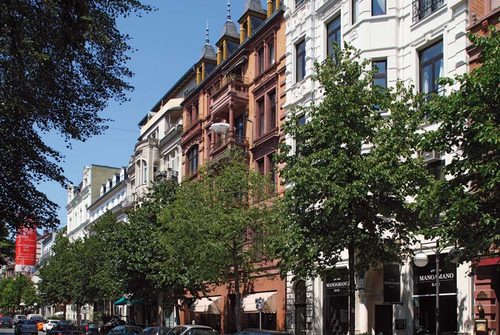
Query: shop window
(378, 7)
(431, 68)
(333, 35)
(300, 61)
(300, 307)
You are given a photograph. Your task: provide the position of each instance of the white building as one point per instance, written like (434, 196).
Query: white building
(416, 41)
(82, 196)
(157, 154)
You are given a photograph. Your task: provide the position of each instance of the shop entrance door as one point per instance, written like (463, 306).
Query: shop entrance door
(383, 319)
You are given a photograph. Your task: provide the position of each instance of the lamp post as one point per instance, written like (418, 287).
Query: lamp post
(422, 260)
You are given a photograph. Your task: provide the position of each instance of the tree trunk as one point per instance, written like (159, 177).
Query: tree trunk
(78, 314)
(237, 307)
(352, 291)
(159, 320)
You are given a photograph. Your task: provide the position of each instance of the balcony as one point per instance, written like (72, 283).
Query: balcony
(424, 8)
(220, 146)
(169, 174)
(230, 88)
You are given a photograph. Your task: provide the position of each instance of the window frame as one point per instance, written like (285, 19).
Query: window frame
(380, 75)
(384, 9)
(329, 47)
(272, 109)
(300, 53)
(261, 116)
(432, 61)
(355, 14)
(261, 57)
(192, 157)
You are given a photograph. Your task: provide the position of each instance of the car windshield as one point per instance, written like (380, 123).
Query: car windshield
(176, 331)
(6, 318)
(27, 322)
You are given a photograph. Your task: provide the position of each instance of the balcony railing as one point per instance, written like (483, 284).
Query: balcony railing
(169, 174)
(219, 146)
(424, 8)
(233, 81)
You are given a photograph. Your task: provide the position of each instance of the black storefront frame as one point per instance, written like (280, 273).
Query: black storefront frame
(424, 297)
(336, 302)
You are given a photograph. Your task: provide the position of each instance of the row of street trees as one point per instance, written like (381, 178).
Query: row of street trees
(355, 182)
(17, 294)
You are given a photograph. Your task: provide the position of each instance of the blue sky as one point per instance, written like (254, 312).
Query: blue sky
(168, 41)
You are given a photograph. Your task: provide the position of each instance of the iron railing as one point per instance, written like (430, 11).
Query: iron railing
(424, 8)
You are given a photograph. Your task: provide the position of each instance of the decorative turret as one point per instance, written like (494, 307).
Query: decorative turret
(251, 19)
(273, 6)
(229, 41)
(208, 60)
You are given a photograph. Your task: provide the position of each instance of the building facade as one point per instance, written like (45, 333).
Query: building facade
(240, 85)
(415, 42)
(485, 13)
(82, 196)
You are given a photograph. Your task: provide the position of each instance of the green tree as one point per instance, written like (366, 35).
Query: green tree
(352, 174)
(467, 200)
(16, 293)
(60, 64)
(6, 246)
(217, 229)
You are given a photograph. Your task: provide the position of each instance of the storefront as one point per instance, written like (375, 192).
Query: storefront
(424, 297)
(336, 302)
(207, 311)
(250, 306)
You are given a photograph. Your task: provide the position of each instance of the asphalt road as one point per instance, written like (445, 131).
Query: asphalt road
(10, 331)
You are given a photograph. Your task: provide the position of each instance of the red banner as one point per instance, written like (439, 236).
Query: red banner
(25, 249)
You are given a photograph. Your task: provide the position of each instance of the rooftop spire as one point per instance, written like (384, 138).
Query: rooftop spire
(229, 10)
(207, 36)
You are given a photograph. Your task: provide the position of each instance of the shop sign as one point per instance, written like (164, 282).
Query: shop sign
(337, 282)
(392, 283)
(424, 279)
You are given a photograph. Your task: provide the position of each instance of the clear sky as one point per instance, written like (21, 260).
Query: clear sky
(168, 42)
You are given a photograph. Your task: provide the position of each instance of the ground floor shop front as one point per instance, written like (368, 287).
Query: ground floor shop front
(262, 304)
(390, 299)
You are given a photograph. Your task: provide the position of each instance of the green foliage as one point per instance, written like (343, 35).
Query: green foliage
(467, 201)
(353, 174)
(6, 246)
(16, 291)
(60, 64)
(217, 229)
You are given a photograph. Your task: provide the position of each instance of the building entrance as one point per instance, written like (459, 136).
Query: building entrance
(383, 319)
(336, 302)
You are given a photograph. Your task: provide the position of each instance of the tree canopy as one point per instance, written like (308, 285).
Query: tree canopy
(17, 292)
(467, 200)
(60, 64)
(351, 173)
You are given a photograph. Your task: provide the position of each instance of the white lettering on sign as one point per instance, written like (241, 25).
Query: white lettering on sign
(337, 284)
(431, 278)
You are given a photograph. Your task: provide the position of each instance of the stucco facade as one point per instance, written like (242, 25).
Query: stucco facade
(398, 34)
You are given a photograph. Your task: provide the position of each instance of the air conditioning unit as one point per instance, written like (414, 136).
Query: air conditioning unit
(430, 156)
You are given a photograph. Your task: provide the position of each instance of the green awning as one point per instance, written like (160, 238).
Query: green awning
(121, 301)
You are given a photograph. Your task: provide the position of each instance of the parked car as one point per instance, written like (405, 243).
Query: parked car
(89, 328)
(18, 317)
(191, 330)
(6, 322)
(65, 328)
(155, 331)
(25, 326)
(126, 329)
(262, 332)
(49, 324)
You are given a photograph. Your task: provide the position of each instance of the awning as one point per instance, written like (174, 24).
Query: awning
(210, 305)
(126, 301)
(268, 305)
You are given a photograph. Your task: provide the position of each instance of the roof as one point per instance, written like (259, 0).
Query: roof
(254, 5)
(208, 52)
(230, 29)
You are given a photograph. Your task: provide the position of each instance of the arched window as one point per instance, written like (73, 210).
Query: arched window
(300, 307)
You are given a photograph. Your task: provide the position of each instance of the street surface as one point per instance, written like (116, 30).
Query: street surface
(10, 331)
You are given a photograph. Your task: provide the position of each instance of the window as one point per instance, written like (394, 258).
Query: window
(431, 67)
(272, 172)
(260, 166)
(333, 34)
(355, 10)
(298, 3)
(378, 7)
(380, 78)
(239, 131)
(495, 4)
(192, 157)
(261, 120)
(144, 173)
(260, 56)
(300, 60)
(424, 8)
(270, 52)
(272, 109)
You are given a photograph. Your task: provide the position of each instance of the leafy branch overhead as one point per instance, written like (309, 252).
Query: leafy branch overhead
(60, 64)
